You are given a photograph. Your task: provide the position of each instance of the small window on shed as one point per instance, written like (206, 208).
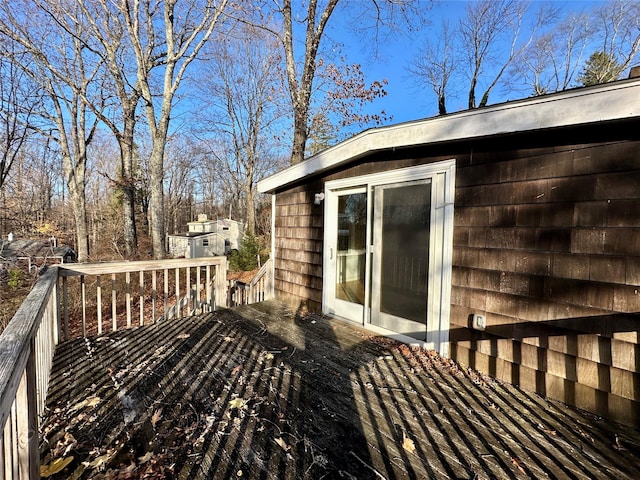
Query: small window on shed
(205, 243)
(225, 228)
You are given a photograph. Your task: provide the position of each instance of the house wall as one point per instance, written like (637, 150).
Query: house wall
(546, 245)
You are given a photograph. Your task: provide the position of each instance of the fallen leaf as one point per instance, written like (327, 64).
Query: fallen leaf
(93, 401)
(156, 417)
(147, 456)
(283, 444)
(236, 369)
(408, 444)
(228, 339)
(237, 403)
(55, 466)
(98, 462)
(184, 335)
(518, 464)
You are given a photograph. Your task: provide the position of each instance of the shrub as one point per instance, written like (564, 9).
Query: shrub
(245, 258)
(15, 278)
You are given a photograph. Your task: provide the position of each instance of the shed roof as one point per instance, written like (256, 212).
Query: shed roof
(587, 105)
(35, 249)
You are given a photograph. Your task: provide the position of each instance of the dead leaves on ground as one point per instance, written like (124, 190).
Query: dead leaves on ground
(155, 418)
(55, 466)
(408, 444)
(283, 444)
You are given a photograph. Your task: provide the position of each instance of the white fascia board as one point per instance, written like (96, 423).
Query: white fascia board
(612, 101)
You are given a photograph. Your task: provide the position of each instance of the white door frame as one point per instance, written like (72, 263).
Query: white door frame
(442, 175)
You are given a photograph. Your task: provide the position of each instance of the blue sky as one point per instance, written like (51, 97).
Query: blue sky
(404, 100)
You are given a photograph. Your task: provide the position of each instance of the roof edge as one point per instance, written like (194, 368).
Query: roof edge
(606, 102)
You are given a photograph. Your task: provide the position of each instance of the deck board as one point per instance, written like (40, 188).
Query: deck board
(262, 392)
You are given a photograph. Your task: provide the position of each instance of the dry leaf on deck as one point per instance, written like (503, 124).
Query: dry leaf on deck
(98, 462)
(283, 444)
(93, 401)
(55, 466)
(156, 417)
(236, 403)
(147, 456)
(518, 464)
(236, 369)
(408, 444)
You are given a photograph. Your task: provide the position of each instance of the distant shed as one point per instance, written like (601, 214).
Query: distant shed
(35, 253)
(506, 237)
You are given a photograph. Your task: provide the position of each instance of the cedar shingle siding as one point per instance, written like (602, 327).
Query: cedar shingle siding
(546, 244)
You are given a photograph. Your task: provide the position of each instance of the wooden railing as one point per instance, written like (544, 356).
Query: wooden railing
(26, 353)
(134, 293)
(156, 290)
(258, 290)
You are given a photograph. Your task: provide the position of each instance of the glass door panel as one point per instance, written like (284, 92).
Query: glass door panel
(345, 255)
(351, 247)
(402, 220)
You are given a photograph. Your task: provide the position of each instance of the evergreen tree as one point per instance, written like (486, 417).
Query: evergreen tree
(600, 68)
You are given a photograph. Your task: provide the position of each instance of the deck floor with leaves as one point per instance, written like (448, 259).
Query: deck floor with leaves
(263, 392)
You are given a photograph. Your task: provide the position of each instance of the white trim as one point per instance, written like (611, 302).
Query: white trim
(611, 101)
(273, 246)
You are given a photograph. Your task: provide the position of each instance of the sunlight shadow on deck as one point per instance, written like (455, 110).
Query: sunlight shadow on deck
(262, 392)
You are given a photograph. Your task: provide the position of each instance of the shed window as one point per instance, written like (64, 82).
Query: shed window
(205, 243)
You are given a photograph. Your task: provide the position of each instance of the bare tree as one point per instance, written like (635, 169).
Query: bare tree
(166, 37)
(248, 105)
(104, 32)
(619, 32)
(19, 98)
(66, 75)
(484, 30)
(305, 27)
(551, 62)
(436, 64)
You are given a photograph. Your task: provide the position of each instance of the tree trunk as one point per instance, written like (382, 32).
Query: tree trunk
(442, 105)
(76, 185)
(251, 209)
(299, 137)
(128, 194)
(156, 207)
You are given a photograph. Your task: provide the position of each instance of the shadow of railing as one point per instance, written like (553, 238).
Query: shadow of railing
(264, 392)
(587, 362)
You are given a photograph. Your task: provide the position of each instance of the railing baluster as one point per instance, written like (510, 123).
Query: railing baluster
(166, 292)
(65, 306)
(198, 290)
(178, 310)
(128, 297)
(98, 303)
(208, 287)
(141, 297)
(154, 286)
(28, 347)
(189, 293)
(84, 306)
(114, 305)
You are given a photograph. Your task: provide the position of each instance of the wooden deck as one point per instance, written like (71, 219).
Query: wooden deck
(262, 392)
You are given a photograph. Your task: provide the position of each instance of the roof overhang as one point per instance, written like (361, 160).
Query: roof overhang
(608, 102)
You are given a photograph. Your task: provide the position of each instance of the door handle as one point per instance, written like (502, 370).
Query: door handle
(330, 253)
